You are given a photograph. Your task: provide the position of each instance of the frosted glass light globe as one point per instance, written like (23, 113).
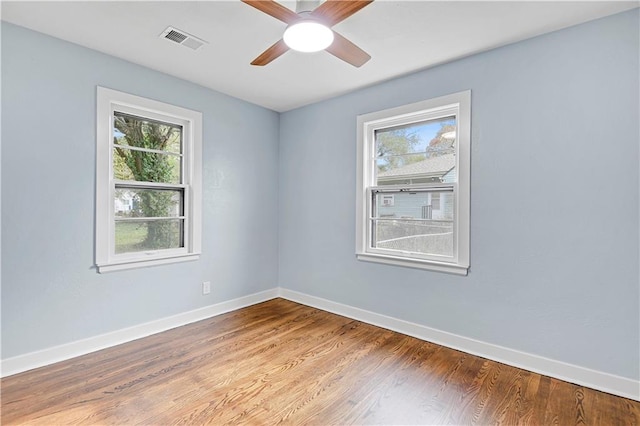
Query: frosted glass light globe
(308, 36)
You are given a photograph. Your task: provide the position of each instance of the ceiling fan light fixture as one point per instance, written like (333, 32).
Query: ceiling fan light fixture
(308, 36)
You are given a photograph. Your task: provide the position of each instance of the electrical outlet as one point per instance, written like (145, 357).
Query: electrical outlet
(206, 287)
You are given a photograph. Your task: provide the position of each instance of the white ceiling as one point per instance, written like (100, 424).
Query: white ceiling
(401, 37)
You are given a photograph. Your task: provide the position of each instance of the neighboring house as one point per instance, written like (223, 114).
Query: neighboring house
(430, 205)
(124, 202)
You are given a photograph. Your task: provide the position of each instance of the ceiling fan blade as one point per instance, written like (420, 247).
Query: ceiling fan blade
(333, 11)
(343, 49)
(271, 53)
(274, 9)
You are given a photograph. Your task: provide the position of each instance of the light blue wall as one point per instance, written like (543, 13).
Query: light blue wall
(51, 294)
(554, 271)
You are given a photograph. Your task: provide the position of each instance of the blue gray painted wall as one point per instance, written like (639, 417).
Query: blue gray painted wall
(51, 293)
(553, 271)
(554, 209)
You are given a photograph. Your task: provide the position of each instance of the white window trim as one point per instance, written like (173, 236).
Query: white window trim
(419, 111)
(108, 101)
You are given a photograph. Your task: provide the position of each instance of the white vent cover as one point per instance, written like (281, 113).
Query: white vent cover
(178, 36)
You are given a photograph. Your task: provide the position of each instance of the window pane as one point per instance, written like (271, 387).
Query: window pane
(434, 135)
(129, 130)
(420, 222)
(144, 166)
(136, 202)
(134, 236)
(415, 169)
(416, 153)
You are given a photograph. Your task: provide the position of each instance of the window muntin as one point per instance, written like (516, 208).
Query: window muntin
(413, 185)
(149, 175)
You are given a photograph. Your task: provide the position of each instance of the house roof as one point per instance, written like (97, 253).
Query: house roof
(437, 166)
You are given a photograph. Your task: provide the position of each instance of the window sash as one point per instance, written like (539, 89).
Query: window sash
(372, 218)
(157, 252)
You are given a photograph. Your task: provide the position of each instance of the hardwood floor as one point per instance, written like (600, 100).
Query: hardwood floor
(279, 362)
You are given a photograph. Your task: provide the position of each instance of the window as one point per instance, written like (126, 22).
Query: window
(148, 182)
(414, 183)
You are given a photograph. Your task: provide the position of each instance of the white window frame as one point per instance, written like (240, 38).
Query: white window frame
(458, 104)
(108, 102)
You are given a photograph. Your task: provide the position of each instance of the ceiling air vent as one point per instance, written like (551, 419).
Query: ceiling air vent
(178, 36)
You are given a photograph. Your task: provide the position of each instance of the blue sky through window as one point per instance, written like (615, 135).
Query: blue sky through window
(427, 131)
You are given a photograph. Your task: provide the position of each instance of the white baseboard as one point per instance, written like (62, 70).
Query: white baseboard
(66, 351)
(605, 382)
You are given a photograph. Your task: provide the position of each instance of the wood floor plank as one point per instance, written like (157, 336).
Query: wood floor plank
(280, 362)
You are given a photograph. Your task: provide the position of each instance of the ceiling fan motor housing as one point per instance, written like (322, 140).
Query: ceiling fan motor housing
(306, 5)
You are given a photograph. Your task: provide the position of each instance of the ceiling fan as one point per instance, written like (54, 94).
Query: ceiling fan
(312, 25)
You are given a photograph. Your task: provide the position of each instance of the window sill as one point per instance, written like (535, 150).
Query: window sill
(414, 263)
(143, 263)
